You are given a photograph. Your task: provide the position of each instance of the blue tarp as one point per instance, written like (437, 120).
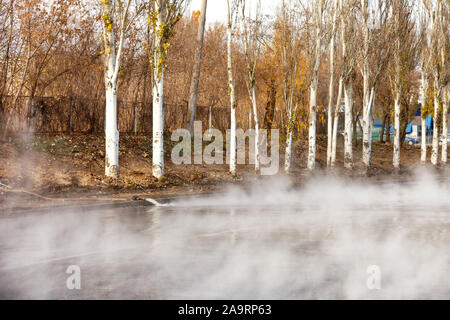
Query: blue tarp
(429, 122)
(409, 128)
(378, 123)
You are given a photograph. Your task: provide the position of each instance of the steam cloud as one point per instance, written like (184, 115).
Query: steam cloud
(271, 241)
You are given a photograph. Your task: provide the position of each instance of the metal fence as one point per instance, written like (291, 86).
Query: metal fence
(79, 115)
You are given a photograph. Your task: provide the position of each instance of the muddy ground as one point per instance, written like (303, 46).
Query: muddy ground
(52, 170)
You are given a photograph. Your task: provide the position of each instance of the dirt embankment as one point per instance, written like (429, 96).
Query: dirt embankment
(73, 166)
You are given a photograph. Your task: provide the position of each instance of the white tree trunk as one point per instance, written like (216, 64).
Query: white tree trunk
(255, 118)
(423, 149)
(312, 126)
(348, 132)
(158, 105)
(112, 64)
(313, 87)
(158, 127)
(445, 130)
(233, 142)
(231, 92)
(288, 151)
(366, 139)
(336, 124)
(423, 153)
(111, 133)
(367, 128)
(435, 148)
(365, 124)
(330, 89)
(396, 156)
(329, 134)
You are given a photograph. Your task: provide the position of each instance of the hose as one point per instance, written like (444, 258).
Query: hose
(7, 188)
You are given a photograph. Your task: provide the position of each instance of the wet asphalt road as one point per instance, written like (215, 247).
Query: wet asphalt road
(230, 247)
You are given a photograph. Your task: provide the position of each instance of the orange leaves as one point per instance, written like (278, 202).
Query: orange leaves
(196, 15)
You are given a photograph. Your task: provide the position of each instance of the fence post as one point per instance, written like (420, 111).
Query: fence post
(32, 112)
(71, 117)
(136, 118)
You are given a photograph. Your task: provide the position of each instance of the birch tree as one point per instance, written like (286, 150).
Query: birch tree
(113, 11)
(193, 92)
(164, 14)
(318, 8)
(374, 53)
(332, 46)
(403, 51)
(438, 71)
(445, 125)
(232, 9)
(438, 35)
(425, 54)
(444, 83)
(423, 113)
(251, 33)
(348, 55)
(347, 41)
(288, 39)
